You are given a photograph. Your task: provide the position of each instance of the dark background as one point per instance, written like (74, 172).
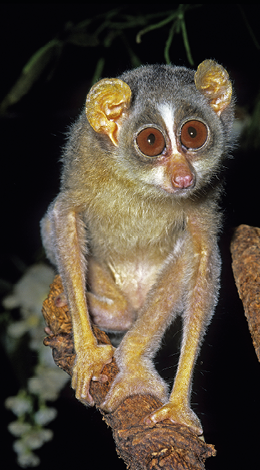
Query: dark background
(226, 383)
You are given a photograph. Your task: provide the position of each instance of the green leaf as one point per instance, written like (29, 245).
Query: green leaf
(83, 39)
(32, 71)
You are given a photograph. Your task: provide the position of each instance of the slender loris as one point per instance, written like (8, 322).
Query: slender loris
(133, 230)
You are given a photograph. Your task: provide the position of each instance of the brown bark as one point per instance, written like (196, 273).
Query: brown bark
(161, 446)
(245, 250)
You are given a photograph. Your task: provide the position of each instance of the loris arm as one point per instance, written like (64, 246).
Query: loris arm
(63, 236)
(64, 240)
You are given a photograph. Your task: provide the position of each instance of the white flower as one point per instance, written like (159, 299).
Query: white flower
(28, 294)
(17, 329)
(19, 446)
(45, 416)
(46, 358)
(31, 290)
(36, 438)
(48, 382)
(19, 405)
(17, 429)
(28, 459)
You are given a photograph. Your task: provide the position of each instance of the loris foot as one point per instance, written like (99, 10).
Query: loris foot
(177, 413)
(133, 382)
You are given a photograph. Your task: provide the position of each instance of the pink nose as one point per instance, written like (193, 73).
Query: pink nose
(182, 181)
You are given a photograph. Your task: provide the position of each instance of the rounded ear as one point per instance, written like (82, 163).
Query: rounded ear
(212, 80)
(107, 102)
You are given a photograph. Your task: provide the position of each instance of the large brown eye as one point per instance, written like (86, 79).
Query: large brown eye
(151, 142)
(194, 134)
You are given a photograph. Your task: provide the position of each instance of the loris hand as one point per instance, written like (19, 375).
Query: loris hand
(89, 365)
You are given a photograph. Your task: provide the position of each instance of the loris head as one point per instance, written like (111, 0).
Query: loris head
(169, 127)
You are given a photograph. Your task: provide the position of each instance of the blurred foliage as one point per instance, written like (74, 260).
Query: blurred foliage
(101, 30)
(250, 138)
(41, 381)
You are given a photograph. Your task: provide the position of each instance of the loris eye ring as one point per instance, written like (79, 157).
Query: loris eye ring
(194, 134)
(151, 142)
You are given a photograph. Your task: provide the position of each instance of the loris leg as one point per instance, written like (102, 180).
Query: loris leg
(178, 408)
(109, 308)
(200, 308)
(137, 348)
(134, 356)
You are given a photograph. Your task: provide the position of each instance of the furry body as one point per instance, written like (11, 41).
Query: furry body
(134, 236)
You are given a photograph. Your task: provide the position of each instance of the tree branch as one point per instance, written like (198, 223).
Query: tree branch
(245, 251)
(142, 447)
